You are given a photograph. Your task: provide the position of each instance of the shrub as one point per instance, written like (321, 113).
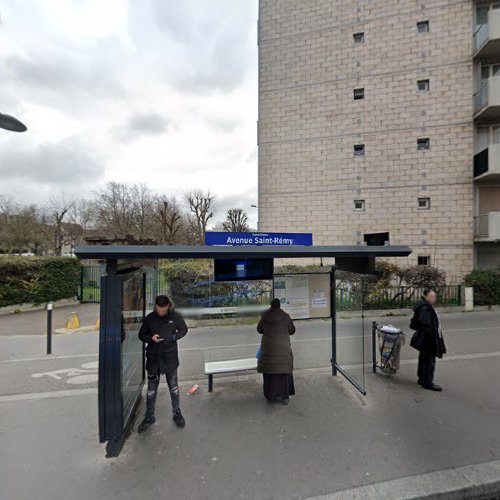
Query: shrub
(486, 286)
(37, 280)
(181, 275)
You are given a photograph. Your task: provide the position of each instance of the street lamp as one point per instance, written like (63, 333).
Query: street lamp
(8, 122)
(257, 207)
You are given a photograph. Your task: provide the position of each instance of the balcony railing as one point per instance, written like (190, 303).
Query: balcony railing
(487, 226)
(486, 40)
(481, 97)
(481, 163)
(487, 100)
(481, 36)
(487, 163)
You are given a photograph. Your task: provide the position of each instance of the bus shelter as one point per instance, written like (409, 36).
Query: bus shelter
(123, 306)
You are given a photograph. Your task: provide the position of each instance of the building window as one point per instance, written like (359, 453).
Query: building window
(359, 205)
(376, 239)
(423, 144)
(424, 260)
(423, 85)
(423, 27)
(359, 37)
(359, 94)
(424, 203)
(359, 150)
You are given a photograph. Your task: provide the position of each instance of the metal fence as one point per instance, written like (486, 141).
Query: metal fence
(395, 297)
(90, 283)
(347, 298)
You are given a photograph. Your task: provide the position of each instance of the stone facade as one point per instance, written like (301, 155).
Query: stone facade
(309, 123)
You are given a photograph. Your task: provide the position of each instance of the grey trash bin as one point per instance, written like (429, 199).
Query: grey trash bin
(390, 341)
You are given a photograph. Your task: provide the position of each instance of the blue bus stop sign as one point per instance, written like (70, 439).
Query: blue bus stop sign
(217, 238)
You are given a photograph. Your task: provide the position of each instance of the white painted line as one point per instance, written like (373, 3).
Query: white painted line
(46, 395)
(87, 391)
(231, 346)
(48, 358)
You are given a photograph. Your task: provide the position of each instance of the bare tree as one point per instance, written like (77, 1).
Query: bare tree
(83, 213)
(142, 200)
(171, 218)
(59, 210)
(200, 205)
(114, 210)
(236, 221)
(19, 227)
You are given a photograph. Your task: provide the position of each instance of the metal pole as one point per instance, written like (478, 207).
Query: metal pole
(49, 328)
(374, 349)
(333, 317)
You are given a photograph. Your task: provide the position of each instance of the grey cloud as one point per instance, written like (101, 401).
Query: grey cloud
(253, 157)
(141, 124)
(59, 164)
(242, 200)
(65, 78)
(223, 124)
(209, 47)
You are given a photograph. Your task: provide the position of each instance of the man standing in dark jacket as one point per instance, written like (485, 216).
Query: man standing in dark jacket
(161, 330)
(428, 339)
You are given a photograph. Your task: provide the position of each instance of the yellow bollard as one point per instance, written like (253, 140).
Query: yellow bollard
(73, 321)
(97, 324)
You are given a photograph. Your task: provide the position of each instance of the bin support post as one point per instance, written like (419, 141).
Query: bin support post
(49, 328)
(333, 318)
(374, 346)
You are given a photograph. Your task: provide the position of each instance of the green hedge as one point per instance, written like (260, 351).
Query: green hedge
(37, 280)
(486, 286)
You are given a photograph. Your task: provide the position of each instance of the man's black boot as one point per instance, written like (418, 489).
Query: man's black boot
(432, 387)
(179, 419)
(146, 423)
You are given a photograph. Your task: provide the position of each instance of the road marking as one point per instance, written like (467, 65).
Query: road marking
(231, 346)
(49, 358)
(47, 395)
(87, 374)
(191, 380)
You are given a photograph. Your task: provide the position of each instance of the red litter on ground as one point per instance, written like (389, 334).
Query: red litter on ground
(193, 389)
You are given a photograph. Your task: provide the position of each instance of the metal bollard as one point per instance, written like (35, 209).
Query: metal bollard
(374, 346)
(49, 328)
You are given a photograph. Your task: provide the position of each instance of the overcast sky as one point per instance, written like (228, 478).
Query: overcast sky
(156, 91)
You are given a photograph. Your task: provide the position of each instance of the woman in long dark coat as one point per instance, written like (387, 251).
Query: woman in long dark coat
(276, 357)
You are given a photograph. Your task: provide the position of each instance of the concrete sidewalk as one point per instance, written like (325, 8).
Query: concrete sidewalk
(330, 439)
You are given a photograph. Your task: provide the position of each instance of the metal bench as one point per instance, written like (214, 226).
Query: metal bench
(234, 365)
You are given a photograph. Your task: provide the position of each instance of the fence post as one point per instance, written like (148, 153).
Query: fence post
(82, 270)
(49, 328)
(469, 298)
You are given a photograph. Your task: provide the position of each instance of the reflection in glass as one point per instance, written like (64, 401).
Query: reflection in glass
(132, 348)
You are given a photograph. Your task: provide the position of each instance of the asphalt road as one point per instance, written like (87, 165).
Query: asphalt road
(25, 368)
(235, 445)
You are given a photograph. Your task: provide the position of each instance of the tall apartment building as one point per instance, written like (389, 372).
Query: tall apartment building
(379, 120)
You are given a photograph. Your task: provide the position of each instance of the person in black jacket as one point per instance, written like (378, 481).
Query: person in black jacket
(428, 340)
(276, 357)
(161, 329)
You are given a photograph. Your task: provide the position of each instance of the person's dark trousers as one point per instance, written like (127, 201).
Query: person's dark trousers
(426, 367)
(153, 382)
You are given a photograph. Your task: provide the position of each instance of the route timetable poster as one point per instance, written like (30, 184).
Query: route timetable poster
(304, 295)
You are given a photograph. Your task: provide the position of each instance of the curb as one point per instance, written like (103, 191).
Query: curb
(20, 308)
(470, 482)
(81, 329)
